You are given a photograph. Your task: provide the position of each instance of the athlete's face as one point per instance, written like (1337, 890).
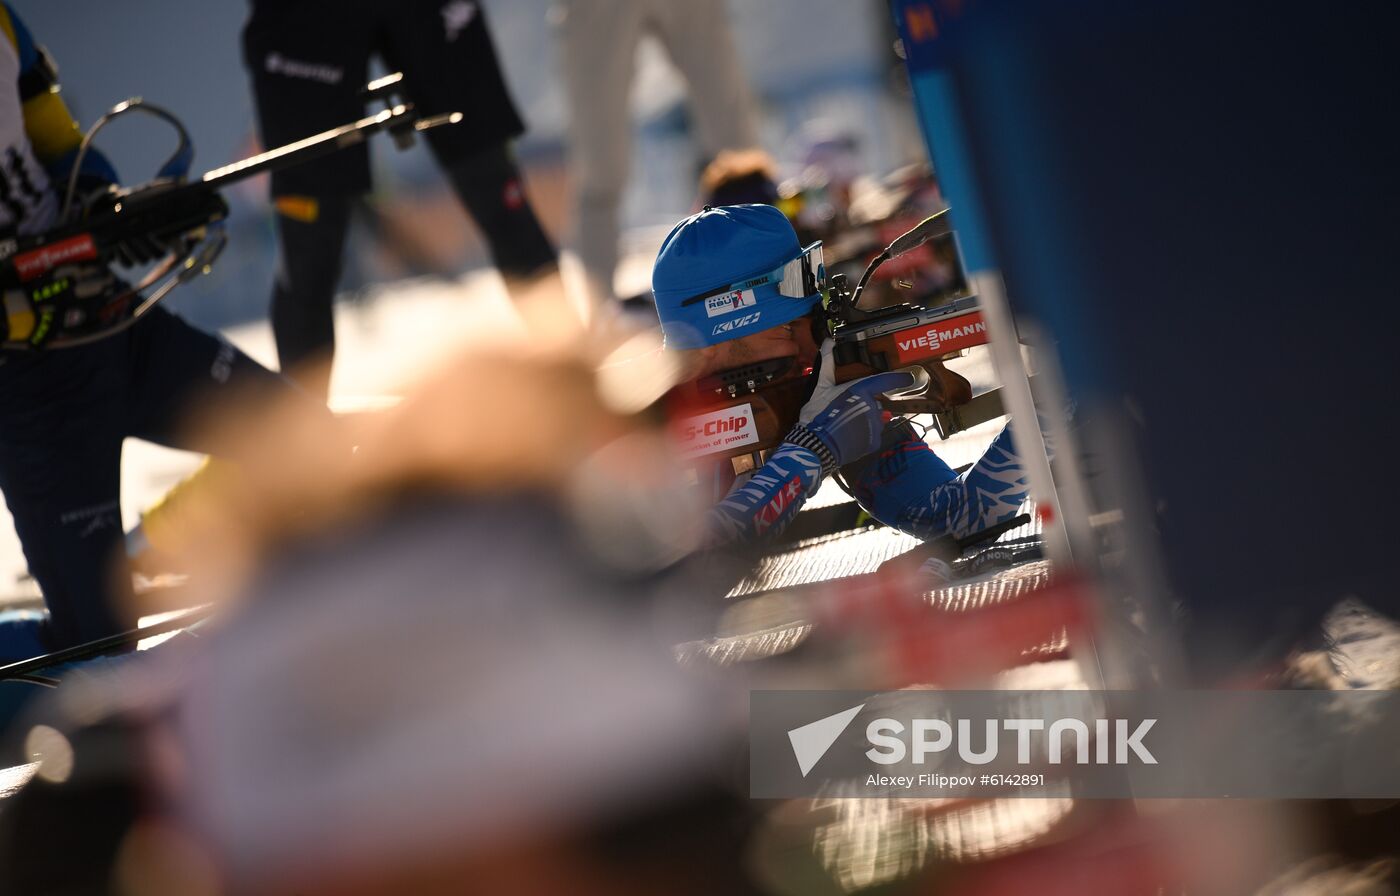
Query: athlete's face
(789, 340)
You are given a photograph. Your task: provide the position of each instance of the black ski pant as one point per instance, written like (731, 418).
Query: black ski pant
(63, 416)
(312, 246)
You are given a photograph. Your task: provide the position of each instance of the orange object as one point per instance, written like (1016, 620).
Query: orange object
(299, 208)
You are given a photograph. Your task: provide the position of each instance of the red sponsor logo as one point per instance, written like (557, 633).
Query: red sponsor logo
(963, 331)
(719, 430)
(773, 511)
(711, 428)
(39, 261)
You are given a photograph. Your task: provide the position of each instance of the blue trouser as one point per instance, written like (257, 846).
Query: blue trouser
(907, 486)
(63, 416)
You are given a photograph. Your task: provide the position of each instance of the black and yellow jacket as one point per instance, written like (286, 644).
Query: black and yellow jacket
(38, 137)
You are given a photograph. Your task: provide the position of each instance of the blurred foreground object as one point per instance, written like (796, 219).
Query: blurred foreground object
(451, 667)
(1213, 275)
(599, 41)
(521, 695)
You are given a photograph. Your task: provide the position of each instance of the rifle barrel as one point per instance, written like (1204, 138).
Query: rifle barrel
(305, 150)
(23, 668)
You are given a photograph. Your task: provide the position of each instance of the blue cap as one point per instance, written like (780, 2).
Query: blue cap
(710, 252)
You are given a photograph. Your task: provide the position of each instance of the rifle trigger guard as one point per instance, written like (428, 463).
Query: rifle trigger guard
(920, 385)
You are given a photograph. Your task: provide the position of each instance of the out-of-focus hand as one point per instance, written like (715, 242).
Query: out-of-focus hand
(75, 300)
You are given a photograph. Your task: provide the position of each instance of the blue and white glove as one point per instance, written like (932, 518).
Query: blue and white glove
(841, 424)
(837, 425)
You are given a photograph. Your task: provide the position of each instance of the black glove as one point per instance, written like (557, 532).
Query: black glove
(135, 249)
(139, 250)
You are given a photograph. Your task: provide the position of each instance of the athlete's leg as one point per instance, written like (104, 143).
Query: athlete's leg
(699, 38)
(311, 241)
(308, 61)
(989, 492)
(598, 47)
(449, 65)
(182, 369)
(907, 486)
(60, 467)
(490, 186)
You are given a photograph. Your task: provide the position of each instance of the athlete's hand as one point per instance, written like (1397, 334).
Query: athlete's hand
(96, 196)
(73, 301)
(137, 249)
(843, 423)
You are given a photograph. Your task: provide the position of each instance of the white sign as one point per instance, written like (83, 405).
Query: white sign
(716, 431)
(729, 302)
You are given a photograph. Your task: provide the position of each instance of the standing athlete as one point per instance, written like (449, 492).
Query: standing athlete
(64, 412)
(309, 60)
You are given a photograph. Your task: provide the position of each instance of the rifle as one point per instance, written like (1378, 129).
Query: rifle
(172, 221)
(748, 409)
(30, 670)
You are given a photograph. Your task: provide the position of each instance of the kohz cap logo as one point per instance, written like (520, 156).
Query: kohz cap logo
(726, 326)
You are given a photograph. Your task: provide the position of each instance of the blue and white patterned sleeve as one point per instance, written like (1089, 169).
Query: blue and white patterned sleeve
(763, 505)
